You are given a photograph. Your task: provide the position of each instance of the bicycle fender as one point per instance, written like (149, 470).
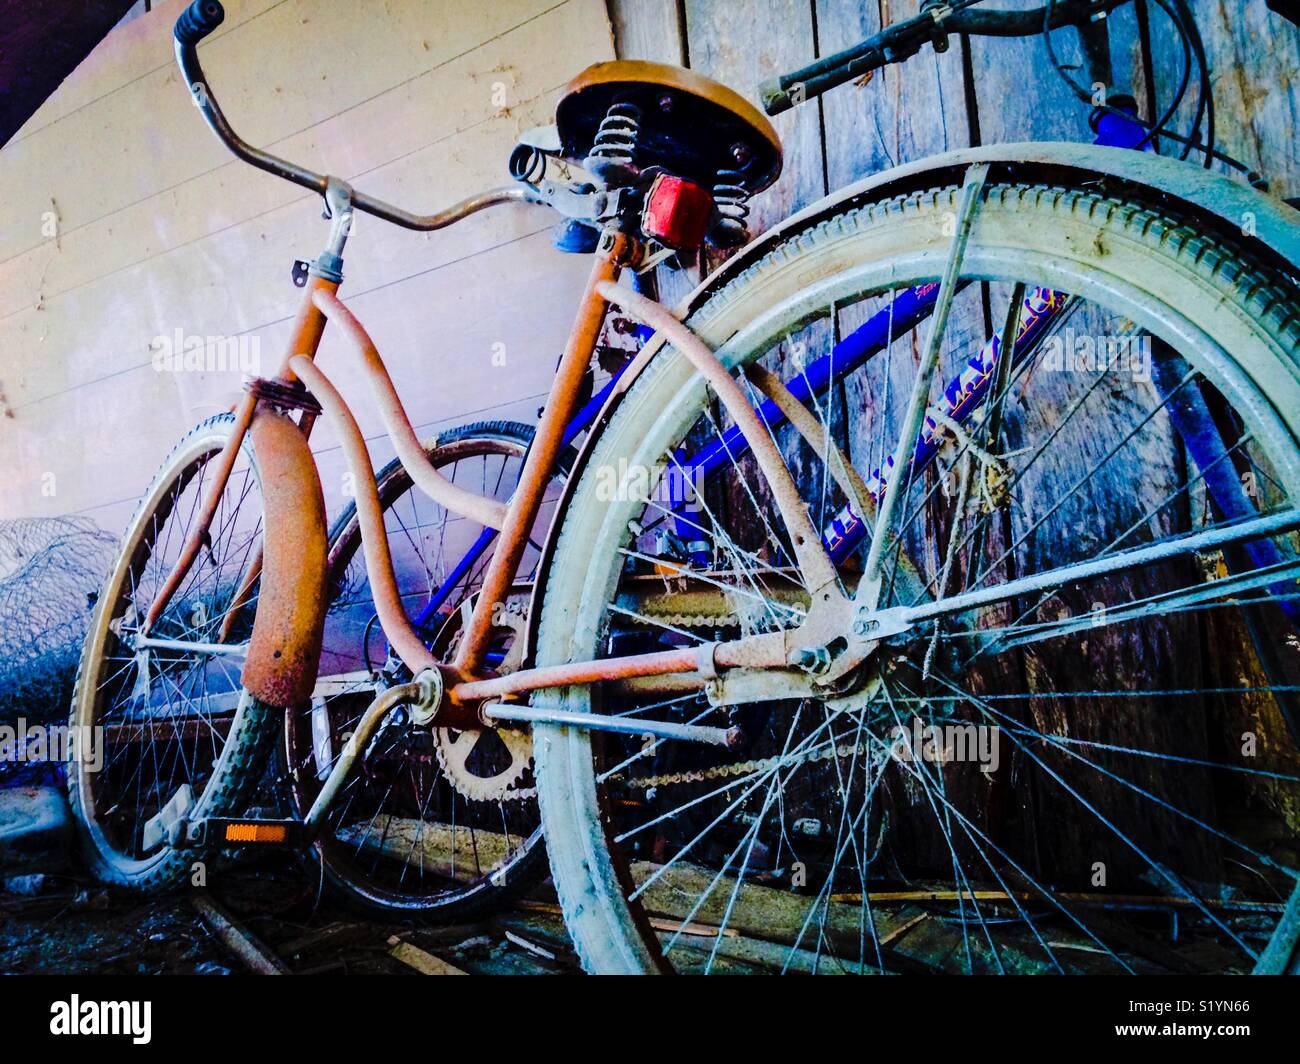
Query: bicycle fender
(1226, 204)
(284, 651)
(1223, 204)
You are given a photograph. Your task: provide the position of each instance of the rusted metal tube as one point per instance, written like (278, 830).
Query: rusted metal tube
(469, 504)
(814, 435)
(243, 594)
(815, 565)
(578, 672)
(768, 650)
(536, 474)
(366, 727)
(379, 562)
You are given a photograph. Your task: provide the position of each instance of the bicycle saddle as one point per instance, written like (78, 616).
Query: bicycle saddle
(677, 119)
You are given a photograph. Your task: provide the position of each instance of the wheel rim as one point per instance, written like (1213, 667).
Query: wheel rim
(166, 715)
(566, 772)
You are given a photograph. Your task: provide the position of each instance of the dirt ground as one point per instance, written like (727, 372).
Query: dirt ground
(71, 926)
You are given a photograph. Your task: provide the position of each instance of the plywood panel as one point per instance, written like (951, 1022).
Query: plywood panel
(432, 115)
(278, 75)
(163, 232)
(189, 288)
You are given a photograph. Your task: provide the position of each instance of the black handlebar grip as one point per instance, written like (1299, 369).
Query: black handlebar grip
(774, 96)
(198, 20)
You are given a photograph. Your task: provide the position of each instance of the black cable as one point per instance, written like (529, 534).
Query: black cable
(1193, 134)
(1159, 128)
(1189, 36)
(1180, 18)
(1143, 16)
(1207, 91)
(1083, 95)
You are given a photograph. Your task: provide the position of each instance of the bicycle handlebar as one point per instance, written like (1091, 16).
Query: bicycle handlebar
(902, 40)
(199, 20)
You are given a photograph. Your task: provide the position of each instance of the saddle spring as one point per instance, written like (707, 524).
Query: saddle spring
(615, 144)
(729, 199)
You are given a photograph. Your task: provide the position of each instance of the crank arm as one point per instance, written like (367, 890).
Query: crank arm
(422, 695)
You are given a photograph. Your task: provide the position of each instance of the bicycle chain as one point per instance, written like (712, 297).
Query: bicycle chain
(745, 768)
(739, 768)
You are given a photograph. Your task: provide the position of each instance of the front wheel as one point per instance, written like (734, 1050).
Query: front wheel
(1026, 782)
(166, 733)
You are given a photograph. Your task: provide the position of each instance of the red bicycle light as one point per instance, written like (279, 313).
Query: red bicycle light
(677, 212)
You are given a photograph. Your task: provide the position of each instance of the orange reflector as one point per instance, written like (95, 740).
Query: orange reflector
(255, 833)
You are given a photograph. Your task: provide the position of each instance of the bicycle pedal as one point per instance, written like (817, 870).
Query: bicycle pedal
(241, 831)
(162, 824)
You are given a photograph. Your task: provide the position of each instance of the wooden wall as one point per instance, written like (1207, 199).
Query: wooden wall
(124, 220)
(982, 91)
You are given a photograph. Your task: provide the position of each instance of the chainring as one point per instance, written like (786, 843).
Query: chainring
(455, 749)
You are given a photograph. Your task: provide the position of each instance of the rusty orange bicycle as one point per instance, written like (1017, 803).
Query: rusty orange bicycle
(766, 632)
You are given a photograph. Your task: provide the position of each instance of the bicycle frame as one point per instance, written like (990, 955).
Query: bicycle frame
(961, 395)
(286, 620)
(468, 677)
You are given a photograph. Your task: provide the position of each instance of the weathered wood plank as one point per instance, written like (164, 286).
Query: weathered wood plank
(421, 960)
(239, 940)
(1254, 58)
(905, 112)
(759, 911)
(648, 29)
(436, 849)
(742, 45)
(192, 240)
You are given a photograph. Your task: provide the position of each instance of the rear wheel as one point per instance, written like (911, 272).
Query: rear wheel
(1127, 756)
(437, 825)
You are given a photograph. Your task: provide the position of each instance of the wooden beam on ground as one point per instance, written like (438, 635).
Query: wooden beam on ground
(422, 961)
(239, 940)
(437, 849)
(769, 913)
